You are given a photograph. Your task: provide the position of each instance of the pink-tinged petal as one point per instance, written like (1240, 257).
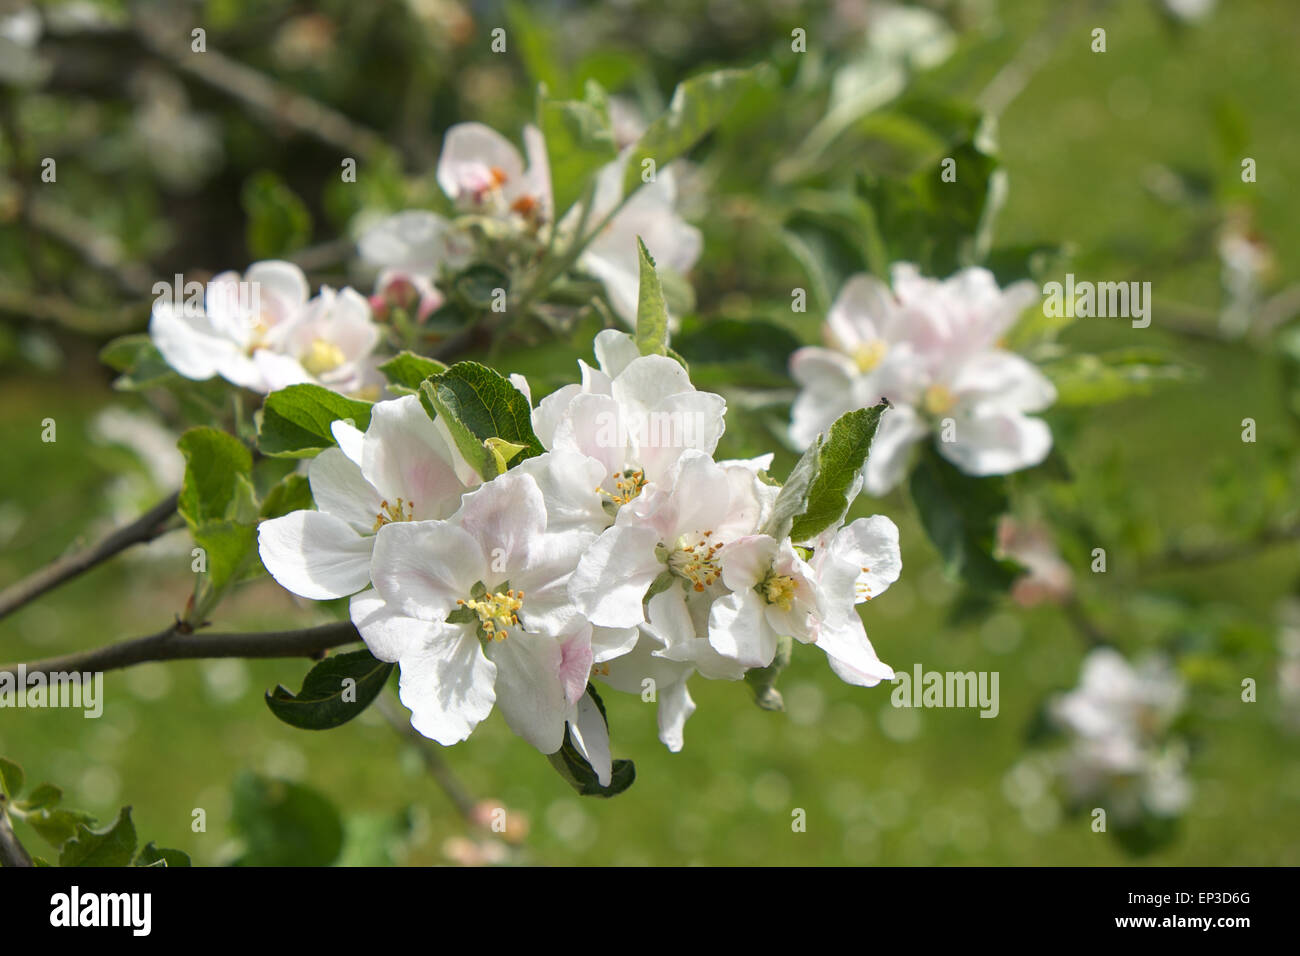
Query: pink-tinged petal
(568, 482)
(447, 684)
(505, 516)
(681, 422)
(576, 659)
(1005, 380)
(404, 455)
(595, 425)
(315, 555)
(746, 561)
(530, 692)
(423, 568)
(614, 574)
(473, 159)
(862, 313)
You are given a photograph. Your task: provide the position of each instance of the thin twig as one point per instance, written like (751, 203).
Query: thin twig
(442, 774)
(12, 852)
(173, 644)
(145, 528)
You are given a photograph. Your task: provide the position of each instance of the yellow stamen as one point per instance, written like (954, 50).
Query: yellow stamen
(779, 589)
(626, 486)
(496, 612)
(402, 511)
(867, 356)
(323, 357)
(938, 400)
(696, 561)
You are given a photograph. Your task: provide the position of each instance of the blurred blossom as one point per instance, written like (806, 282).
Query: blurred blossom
(1047, 578)
(466, 852)
(20, 31)
(1288, 662)
(1120, 752)
(1190, 9)
(1246, 262)
(182, 146)
(305, 41)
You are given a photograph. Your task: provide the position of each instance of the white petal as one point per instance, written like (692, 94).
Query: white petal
(530, 693)
(447, 684)
(997, 442)
(568, 482)
(339, 488)
(505, 516)
(738, 629)
(409, 242)
(614, 350)
(389, 635)
(315, 555)
(614, 575)
(471, 149)
(675, 708)
(851, 655)
(870, 547)
(423, 567)
(404, 455)
(591, 737)
(900, 428)
(746, 561)
(861, 312)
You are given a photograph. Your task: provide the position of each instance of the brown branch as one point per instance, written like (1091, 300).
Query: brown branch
(172, 644)
(145, 528)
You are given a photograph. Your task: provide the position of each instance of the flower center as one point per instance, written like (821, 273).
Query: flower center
(860, 587)
(496, 611)
(938, 400)
(401, 511)
(779, 589)
(695, 559)
(323, 357)
(867, 356)
(626, 486)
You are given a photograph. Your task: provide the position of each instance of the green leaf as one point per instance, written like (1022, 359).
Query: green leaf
(228, 546)
(751, 349)
(278, 221)
(1112, 376)
(698, 105)
(579, 141)
(214, 461)
(291, 493)
(573, 767)
(45, 796)
(11, 778)
(651, 312)
(535, 46)
(762, 680)
(141, 364)
(284, 824)
(114, 845)
(296, 420)
(478, 286)
(816, 495)
(479, 404)
(57, 827)
(408, 370)
(153, 855)
(333, 692)
(960, 515)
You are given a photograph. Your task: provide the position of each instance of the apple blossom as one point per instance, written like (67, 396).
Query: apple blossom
(931, 348)
(261, 332)
(404, 468)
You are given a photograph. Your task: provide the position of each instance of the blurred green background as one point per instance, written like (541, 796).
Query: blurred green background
(1091, 147)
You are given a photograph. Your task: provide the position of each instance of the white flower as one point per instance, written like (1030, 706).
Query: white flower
(931, 348)
(775, 592)
(650, 214)
(413, 247)
(475, 610)
(672, 533)
(1118, 722)
(628, 673)
(260, 332)
(482, 172)
(404, 468)
(635, 414)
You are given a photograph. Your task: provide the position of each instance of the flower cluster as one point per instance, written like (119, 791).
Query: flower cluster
(931, 348)
(1120, 749)
(264, 331)
(623, 552)
(498, 193)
